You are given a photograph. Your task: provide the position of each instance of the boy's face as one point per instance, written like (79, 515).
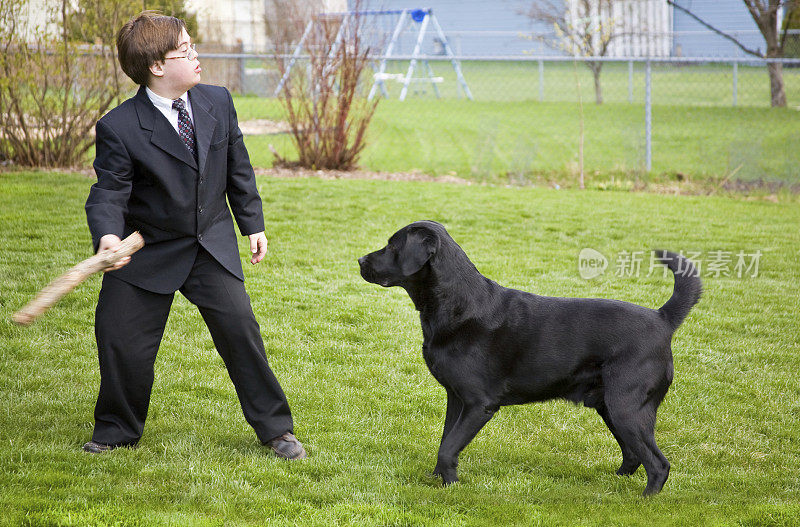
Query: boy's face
(177, 71)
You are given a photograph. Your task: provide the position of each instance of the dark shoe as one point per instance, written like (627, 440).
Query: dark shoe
(287, 446)
(97, 448)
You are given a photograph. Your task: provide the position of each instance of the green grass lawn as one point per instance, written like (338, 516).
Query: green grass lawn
(526, 142)
(687, 84)
(520, 131)
(672, 84)
(348, 356)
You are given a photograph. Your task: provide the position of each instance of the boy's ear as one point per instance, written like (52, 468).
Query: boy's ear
(157, 69)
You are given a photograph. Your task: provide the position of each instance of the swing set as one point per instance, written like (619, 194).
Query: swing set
(418, 19)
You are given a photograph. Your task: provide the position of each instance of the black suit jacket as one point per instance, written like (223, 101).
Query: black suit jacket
(147, 180)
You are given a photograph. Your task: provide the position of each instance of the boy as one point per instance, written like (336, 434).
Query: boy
(166, 161)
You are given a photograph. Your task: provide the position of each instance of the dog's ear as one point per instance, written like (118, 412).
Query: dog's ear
(421, 244)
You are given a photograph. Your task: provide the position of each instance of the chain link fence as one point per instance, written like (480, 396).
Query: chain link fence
(529, 119)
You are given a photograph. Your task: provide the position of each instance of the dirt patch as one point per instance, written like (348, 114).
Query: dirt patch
(761, 186)
(750, 190)
(753, 190)
(322, 174)
(264, 127)
(358, 174)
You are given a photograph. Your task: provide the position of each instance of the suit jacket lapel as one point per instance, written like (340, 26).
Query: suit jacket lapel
(163, 135)
(204, 125)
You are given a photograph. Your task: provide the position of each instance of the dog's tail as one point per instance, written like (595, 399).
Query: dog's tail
(688, 287)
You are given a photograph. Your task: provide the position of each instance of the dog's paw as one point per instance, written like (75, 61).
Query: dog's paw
(446, 482)
(627, 470)
(448, 475)
(447, 479)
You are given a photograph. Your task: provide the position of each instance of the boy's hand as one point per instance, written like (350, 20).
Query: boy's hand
(112, 241)
(258, 247)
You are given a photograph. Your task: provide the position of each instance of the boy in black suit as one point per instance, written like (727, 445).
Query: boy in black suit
(166, 161)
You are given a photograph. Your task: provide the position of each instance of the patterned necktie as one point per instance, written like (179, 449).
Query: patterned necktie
(185, 128)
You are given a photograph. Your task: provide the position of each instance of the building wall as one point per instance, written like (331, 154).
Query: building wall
(230, 22)
(482, 27)
(731, 16)
(472, 27)
(477, 27)
(642, 27)
(36, 18)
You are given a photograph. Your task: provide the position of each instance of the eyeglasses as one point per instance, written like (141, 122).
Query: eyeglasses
(191, 54)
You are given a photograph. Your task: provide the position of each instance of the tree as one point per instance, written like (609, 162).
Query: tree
(579, 29)
(765, 13)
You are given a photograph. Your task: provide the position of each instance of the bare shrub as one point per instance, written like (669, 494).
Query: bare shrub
(323, 98)
(53, 86)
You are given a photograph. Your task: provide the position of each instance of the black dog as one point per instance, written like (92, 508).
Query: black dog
(491, 346)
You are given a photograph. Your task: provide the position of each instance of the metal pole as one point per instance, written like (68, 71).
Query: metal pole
(338, 40)
(379, 83)
(541, 80)
(413, 64)
(735, 82)
(433, 81)
(648, 118)
(449, 51)
(630, 81)
(296, 54)
(242, 69)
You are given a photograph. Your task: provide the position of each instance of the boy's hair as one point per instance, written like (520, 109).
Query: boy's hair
(145, 39)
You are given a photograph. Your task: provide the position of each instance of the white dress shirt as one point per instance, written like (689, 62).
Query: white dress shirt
(164, 105)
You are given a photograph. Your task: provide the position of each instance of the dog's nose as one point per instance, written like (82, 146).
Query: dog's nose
(361, 261)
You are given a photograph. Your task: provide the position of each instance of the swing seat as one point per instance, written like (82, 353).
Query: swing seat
(400, 77)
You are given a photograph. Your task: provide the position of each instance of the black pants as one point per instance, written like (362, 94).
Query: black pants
(129, 324)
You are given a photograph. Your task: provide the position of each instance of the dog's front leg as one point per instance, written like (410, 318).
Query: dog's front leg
(473, 417)
(454, 408)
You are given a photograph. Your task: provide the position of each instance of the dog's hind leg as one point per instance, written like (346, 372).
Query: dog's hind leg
(647, 429)
(629, 460)
(635, 424)
(473, 417)
(655, 484)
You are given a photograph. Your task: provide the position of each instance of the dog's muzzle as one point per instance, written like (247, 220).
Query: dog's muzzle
(366, 270)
